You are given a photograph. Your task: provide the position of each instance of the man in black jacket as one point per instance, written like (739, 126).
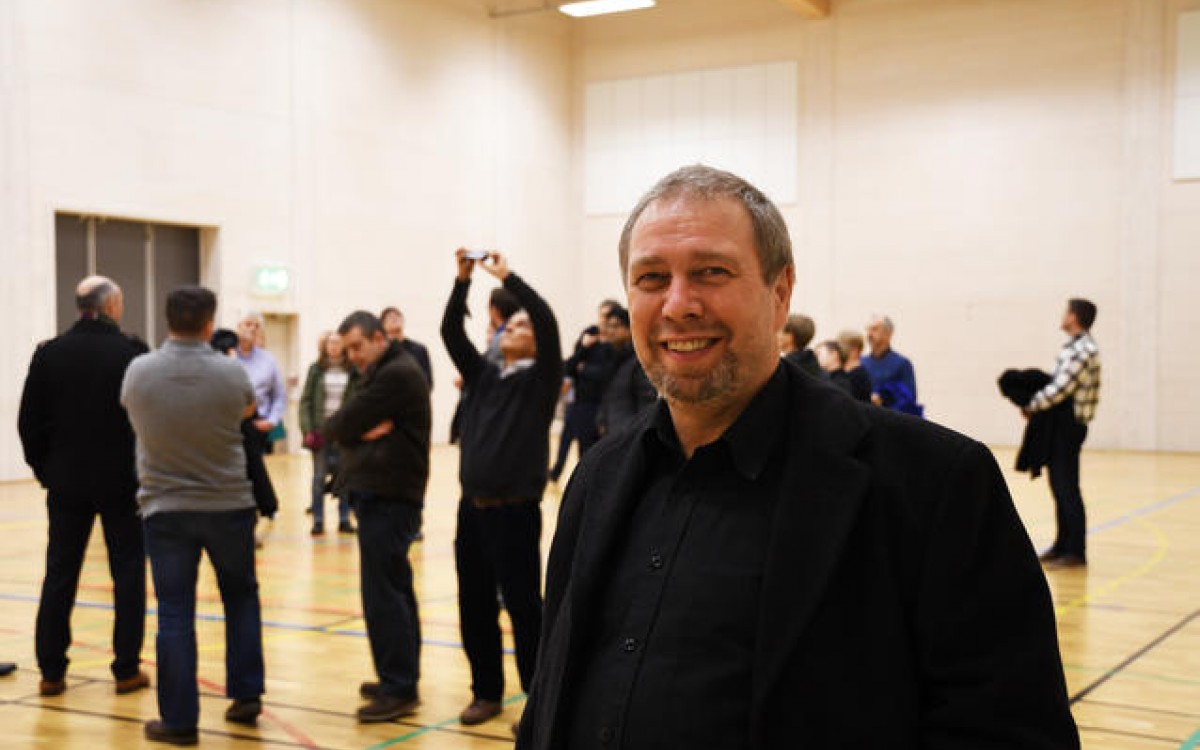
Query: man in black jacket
(629, 391)
(383, 431)
(506, 418)
(78, 441)
(760, 561)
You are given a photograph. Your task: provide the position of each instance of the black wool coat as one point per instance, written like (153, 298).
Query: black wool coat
(902, 602)
(74, 431)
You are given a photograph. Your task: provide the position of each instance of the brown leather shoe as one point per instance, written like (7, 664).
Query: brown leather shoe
(1050, 555)
(156, 731)
(133, 684)
(1067, 561)
(244, 711)
(387, 708)
(480, 711)
(48, 688)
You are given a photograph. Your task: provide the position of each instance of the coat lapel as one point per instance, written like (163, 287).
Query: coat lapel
(823, 487)
(609, 498)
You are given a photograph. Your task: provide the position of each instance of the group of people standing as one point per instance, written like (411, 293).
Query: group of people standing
(163, 445)
(745, 549)
(883, 376)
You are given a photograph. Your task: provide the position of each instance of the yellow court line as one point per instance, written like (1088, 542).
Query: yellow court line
(1160, 554)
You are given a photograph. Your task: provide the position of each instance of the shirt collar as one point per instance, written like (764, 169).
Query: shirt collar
(750, 440)
(515, 367)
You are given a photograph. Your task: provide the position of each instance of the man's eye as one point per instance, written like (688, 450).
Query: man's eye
(714, 271)
(650, 280)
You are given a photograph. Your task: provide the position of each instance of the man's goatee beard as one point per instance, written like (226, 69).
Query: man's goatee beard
(712, 385)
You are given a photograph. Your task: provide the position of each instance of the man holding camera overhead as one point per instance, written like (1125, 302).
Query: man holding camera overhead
(505, 450)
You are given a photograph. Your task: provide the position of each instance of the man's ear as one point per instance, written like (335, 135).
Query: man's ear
(781, 291)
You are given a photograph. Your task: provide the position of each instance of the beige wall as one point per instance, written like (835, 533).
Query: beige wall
(965, 167)
(358, 142)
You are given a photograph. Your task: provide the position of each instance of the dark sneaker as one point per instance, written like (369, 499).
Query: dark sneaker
(244, 711)
(133, 684)
(156, 731)
(368, 690)
(318, 528)
(480, 711)
(387, 708)
(345, 527)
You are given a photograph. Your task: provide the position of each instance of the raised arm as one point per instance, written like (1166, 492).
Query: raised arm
(545, 326)
(462, 352)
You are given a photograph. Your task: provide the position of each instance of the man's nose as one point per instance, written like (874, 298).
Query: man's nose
(681, 300)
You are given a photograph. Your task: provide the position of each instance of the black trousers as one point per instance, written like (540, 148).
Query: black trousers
(579, 423)
(499, 548)
(385, 531)
(71, 520)
(1067, 443)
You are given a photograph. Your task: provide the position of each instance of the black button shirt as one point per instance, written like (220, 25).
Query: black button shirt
(670, 652)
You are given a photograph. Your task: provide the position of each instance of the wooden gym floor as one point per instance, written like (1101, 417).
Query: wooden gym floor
(1129, 623)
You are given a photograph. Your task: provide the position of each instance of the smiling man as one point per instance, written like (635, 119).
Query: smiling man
(762, 562)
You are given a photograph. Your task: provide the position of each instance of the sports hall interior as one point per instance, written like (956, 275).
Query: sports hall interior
(962, 166)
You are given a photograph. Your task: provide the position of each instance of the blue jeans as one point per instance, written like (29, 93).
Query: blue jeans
(174, 542)
(385, 531)
(322, 458)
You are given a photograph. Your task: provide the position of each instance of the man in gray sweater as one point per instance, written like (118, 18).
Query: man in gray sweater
(186, 403)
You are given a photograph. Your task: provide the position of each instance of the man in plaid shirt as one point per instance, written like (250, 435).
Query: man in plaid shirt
(1077, 377)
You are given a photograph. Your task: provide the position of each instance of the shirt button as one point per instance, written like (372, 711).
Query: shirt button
(630, 645)
(656, 560)
(606, 735)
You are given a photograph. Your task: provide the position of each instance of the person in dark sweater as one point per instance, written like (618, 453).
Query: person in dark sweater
(265, 498)
(833, 361)
(506, 415)
(78, 441)
(589, 369)
(393, 327)
(383, 432)
(629, 390)
(794, 339)
(852, 347)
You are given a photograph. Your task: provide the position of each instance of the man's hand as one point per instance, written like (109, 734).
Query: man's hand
(588, 340)
(465, 265)
(876, 399)
(263, 425)
(383, 428)
(497, 265)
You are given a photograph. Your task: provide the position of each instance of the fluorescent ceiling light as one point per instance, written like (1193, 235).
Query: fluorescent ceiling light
(599, 7)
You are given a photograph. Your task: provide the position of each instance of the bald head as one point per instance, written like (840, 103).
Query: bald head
(98, 295)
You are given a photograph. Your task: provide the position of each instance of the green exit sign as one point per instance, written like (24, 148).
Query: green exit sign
(272, 279)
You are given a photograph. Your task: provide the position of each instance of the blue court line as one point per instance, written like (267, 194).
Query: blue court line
(266, 623)
(1144, 511)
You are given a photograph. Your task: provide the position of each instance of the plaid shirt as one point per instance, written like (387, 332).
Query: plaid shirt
(1076, 373)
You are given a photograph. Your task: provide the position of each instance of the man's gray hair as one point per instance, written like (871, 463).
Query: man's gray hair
(699, 181)
(96, 297)
(885, 320)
